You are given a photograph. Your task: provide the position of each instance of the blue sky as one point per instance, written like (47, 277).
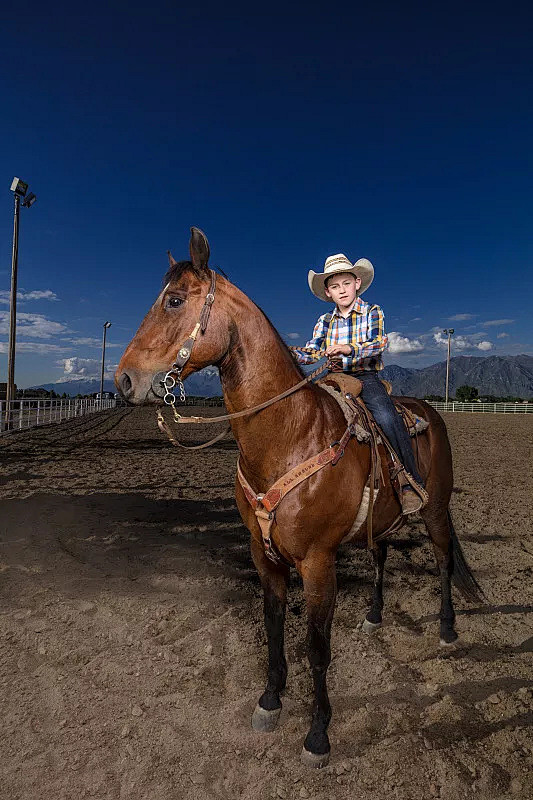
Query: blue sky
(400, 132)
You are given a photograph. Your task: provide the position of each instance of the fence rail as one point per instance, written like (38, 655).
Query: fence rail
(32, 411)
(487, 408)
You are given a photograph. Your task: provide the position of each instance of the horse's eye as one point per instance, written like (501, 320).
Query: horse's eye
(174, 302)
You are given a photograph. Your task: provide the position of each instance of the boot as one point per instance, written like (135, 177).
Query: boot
(412, 500)
(412, 496)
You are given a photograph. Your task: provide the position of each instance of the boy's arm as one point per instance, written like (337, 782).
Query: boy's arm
(376, 343)
(315, 348)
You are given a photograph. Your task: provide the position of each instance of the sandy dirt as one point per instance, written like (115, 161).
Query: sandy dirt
(133, 645)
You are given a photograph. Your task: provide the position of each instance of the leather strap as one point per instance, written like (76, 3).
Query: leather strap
(265, 505)
(163, 427)
(203, 420)
(184, 353)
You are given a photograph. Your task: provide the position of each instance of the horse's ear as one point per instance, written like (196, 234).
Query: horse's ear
(171, 260)
(199, 249)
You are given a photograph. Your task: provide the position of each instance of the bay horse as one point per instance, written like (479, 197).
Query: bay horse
(231, 332)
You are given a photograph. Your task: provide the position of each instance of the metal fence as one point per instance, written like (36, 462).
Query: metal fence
(488, 408)
(32, 411)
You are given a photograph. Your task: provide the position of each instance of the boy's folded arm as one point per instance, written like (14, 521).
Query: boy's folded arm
(376, 343)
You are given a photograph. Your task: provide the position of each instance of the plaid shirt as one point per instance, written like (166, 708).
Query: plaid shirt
(363, 329)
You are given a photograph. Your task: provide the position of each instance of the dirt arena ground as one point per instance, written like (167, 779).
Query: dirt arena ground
(133, 647)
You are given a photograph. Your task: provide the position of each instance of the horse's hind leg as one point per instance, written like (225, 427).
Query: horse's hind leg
(436, 522)
(374, 619)
(274, 580)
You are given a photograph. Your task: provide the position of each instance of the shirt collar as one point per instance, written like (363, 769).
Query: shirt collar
(359, 307)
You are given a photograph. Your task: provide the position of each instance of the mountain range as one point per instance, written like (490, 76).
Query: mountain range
(502, 376)
(491, 375)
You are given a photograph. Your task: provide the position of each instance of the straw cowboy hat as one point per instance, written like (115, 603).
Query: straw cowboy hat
(361, 269)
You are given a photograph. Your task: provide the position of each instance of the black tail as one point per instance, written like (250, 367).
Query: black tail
(462, 574)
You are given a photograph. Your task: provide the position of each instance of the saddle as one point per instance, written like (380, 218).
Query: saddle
(348, 385)
(346, 390)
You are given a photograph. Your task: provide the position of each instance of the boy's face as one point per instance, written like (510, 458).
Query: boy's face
(342, 289)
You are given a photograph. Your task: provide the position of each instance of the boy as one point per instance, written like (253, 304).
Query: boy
(354, 330)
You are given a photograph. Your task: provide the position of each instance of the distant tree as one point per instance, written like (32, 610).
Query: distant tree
(465, 394)
(434, 398)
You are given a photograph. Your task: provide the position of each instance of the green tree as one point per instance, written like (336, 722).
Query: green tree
(465, 394)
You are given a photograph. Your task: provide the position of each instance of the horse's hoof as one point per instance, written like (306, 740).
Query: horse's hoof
(316, 760)
(451, 643)
(263, 720)
(370, 627)
(448, 637)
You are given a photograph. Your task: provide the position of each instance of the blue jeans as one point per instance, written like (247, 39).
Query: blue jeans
(380, 405)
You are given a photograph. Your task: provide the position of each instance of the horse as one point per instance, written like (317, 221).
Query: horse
(231, 332)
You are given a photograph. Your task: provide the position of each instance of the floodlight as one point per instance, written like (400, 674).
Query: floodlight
(29, 200)
(19, 187)
(107, 324)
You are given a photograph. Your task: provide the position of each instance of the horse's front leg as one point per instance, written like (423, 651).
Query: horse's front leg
(320, 588)
(274, 580)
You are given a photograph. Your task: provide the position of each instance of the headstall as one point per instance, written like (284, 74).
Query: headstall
(173, 377)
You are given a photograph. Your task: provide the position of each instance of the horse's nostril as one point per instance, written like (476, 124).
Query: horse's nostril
(125, 383)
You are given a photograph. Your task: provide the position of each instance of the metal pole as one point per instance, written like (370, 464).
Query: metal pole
(448, 367)
(102, 373)
(10, 388)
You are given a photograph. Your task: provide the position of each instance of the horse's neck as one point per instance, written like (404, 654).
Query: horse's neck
(258, 367)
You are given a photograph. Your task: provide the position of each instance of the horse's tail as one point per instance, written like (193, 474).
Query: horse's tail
(462, 574)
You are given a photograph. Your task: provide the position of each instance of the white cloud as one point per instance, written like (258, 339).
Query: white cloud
(33, 347)
(401, 344)
(22, 295)
(461, 317)
(492, 322)
(458, 342)
(292, 335)
(415, 319)
(502, 335)
(461, 342)
(84, 369)
(32, 325)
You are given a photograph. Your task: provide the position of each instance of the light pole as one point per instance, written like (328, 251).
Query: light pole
(19, 188)
(449, 332)
(106, 326)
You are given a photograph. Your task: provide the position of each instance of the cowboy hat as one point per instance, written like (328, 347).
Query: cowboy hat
(361, 269)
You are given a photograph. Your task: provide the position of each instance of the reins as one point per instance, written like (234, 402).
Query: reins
(163, 426)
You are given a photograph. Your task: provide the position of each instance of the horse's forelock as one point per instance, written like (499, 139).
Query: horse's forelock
(175, 272)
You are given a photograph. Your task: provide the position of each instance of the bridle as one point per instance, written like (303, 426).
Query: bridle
(169, 380)
(173, 376)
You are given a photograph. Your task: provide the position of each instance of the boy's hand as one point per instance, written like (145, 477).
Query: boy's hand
(339, 350)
